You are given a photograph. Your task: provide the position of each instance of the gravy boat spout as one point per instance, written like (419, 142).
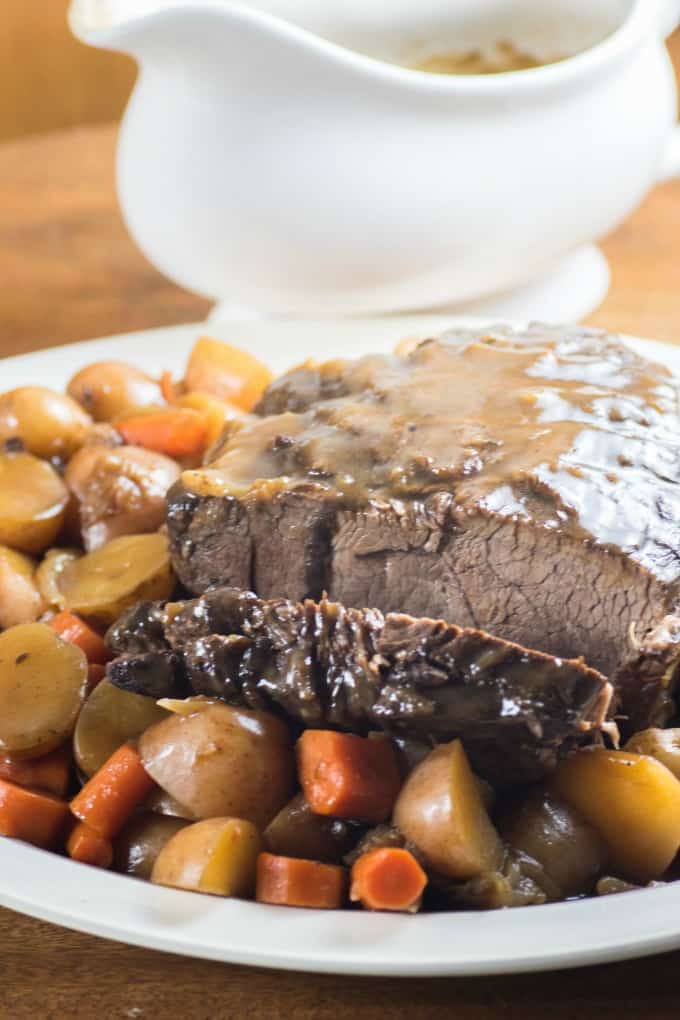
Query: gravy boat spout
(275, 155)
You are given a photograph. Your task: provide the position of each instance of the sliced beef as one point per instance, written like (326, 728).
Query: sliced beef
(522, 483)
(322, 664)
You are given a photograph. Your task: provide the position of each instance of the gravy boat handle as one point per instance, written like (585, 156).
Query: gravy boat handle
(670, 163)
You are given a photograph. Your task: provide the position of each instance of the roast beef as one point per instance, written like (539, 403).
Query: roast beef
(322, 664)
(525, 483)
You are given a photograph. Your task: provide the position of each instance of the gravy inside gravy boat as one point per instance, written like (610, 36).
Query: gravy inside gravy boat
(279, 155)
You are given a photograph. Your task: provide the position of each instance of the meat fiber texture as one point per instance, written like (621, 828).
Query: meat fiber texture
(523, 483)
(321, 664)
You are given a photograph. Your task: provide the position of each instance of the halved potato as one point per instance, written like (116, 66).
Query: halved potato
(43, 681)
(124, 571)
(136, 849)
(218, 856)
(48, 572)
(20, 600)
(440, 809)
(110, 717)
(222, 761)
(632, 800)
(33, 500)
(49, 424)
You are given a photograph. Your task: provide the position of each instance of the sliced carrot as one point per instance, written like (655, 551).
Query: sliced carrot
(168, 388)
(109, 798)
(176, 432)
(86, 846)
(71, 628)
(95, 674)
(347, 776)
(49, 772)
(36, 818)
(295, 882)
(388, 879)
(215, 411)
(226, 372)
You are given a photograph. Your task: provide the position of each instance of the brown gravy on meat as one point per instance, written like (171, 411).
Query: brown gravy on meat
(567, 429)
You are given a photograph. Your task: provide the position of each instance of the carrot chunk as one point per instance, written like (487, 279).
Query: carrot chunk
(168, 387)
(295, 882)
(388, 879)
(71, 628)
(50, 772)
(95, 674)
(176, 432)
(86, 846)
(347, 776)
(226, 372)
(109, 798)
(36, 818)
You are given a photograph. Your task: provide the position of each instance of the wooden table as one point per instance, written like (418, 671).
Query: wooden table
(67, 272)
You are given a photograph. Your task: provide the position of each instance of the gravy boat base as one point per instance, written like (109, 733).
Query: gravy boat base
(570, 292)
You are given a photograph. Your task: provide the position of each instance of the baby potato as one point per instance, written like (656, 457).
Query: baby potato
(108, 389)
(632, 800)
(297, 832)
(161, 803)
(136, 849)
(103, 583)
(664, 745)
(20, 600)
(120, 491)
(43, 681)
(48, 424)
(110, 717)
(33, 502)
(546, 828)
(440, 809)
(218, 856)
(222, 761)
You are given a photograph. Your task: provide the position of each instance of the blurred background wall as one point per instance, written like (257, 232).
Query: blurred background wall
(47, 79)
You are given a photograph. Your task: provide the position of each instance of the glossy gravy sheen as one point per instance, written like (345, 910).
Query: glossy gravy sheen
(499, 59)
(572, 431)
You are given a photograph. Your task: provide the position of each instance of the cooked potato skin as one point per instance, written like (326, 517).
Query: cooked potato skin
(48, 424)
(546, 828)
(136, 849)
(217, 855)
(441, 811)
(120, 491)
(664, 745)
(109, 718)
(126, 570)
(222, 761)
(43, 681)
(20, 599)
(632, 800)
(33, 501)
(108, 389)
(297, 832)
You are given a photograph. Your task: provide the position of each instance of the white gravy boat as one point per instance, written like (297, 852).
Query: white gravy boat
(276, 155)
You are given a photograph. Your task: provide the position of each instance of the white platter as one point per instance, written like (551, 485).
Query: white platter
(526, 939)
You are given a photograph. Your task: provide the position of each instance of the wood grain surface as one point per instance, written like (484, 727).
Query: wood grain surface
(69, 272)
(48, 79)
